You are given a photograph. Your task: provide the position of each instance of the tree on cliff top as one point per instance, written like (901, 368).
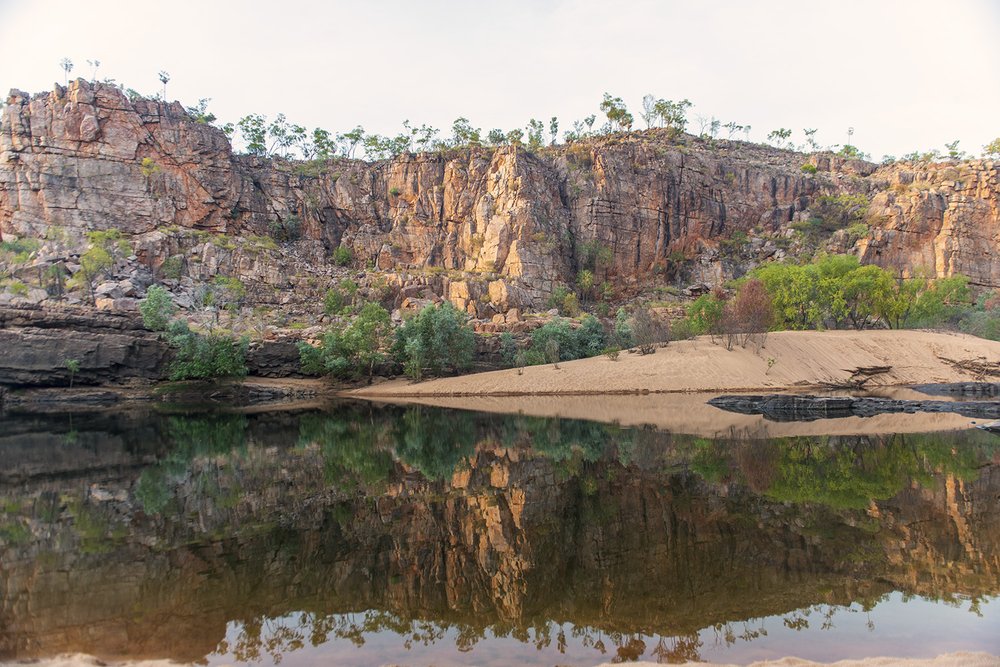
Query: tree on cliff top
(618, 115)
(992, 149)
(67, 67)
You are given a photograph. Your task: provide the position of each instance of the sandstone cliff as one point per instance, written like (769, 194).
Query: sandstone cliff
(490, 229)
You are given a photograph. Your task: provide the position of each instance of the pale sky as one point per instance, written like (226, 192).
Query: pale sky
(906, 74)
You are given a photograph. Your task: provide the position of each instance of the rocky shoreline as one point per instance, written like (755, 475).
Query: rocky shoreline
(794, 407)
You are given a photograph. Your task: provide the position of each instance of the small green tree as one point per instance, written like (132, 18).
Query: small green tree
(93, 263)
(992, 149)
(623, 330)
(253, 129)
(369, 336)
(585, 283)
(464, 134)
(508, 348)
(779, 137)
(334, 301)
(230, 292)
(648, 331)
(705, 313)
(112, 241)
(437, 339)
(67, 67)
(343, 255)
(673, 115)
(619, 118)
(73, 366)
(164, 79)
(552, 351)
(536, 135)
(347, 351)
(157, 308)
(203, 357)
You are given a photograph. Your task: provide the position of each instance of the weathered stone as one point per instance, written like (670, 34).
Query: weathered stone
(109, 348)
(86, 157)
(793, 407)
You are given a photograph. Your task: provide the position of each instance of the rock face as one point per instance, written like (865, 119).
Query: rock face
(86, 157)
(941, 219)
(109, 348)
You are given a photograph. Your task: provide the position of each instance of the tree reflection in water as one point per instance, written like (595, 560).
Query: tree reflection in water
(444, 527)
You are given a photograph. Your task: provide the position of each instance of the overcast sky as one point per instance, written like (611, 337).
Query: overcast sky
(906, 74)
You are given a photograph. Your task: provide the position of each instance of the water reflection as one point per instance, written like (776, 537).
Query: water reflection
(421, 534)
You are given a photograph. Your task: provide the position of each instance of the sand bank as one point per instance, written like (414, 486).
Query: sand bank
(789, 360)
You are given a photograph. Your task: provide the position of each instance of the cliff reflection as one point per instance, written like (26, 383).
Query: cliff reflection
(259, 535)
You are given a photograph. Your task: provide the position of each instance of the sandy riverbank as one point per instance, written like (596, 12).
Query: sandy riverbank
(790, 360)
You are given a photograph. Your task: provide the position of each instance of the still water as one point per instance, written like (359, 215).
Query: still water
(367, 535)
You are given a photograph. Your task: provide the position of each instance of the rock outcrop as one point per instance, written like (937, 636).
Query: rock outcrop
(107, 348)
(512, 223)
(938, 219)
(795, 407)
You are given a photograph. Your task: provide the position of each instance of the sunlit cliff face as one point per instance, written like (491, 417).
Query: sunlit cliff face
(504, 225)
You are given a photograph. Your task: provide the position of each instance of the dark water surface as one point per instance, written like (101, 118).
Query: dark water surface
(366, 535)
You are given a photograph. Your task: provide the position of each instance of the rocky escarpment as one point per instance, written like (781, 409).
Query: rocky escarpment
(504, 225)
(940, 219)
(39, 346)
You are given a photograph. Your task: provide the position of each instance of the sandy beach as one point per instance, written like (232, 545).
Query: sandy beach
(790, 360)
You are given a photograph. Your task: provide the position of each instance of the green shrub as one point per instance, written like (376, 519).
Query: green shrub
(172, 267)
(570, 305)
(157, 308)
(557, 296)
(394, 191)
(508, 348)
(857, 231)
(348, 350)
(587, 340)
(985, 324)
(648, 331)
(343, 255)
(287, 230)
(228, 291)
(438, 338)
(334, 301)
(808, 168)
(682, 329)
(704, 314)
(612, 352)
(20, 249)
(202, 357)
(623, 330)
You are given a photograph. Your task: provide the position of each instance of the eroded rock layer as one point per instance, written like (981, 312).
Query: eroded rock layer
(85, 157)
